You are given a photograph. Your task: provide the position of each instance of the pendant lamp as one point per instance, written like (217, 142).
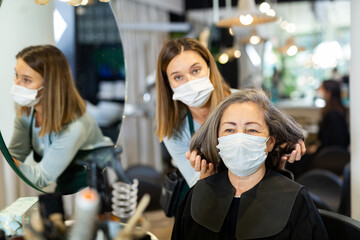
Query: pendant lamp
(247, 15)
(290, 48)
(253, 38)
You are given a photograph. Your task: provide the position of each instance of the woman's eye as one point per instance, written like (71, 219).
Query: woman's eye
(195, 71)
(178, 78)
(229, 130)
(27, 80)
(253, 131)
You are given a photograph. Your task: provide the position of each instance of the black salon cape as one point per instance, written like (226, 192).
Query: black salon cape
(276, 208)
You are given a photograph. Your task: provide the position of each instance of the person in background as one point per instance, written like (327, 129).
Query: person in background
(188, 87)
(51, 121)
(333, 127)
(247, 198)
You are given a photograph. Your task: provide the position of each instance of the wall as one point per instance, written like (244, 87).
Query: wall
(355, 110)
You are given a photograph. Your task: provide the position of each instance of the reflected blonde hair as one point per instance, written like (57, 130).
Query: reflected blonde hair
(282, 127)
(61, 102)
(170, 113)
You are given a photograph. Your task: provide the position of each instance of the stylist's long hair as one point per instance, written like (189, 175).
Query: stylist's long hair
(170, 113)
(61, 102)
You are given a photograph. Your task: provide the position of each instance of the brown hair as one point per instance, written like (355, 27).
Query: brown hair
(282, 127)
(334, 103)
(170, 113)
(61, 102)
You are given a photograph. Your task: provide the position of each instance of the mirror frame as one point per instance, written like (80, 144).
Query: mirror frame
(12, 164)
(3, 146)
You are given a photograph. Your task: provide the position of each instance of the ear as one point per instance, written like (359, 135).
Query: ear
(270, 144)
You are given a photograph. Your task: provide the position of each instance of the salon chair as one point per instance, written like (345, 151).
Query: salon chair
(345, 203)
(339, 226)
(325, 188)
(150, 181)
(332, 158)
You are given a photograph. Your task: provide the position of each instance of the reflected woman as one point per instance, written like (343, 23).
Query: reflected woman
(51, 121)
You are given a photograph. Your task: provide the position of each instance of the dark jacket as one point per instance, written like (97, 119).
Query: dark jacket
(276, 208)
(333, 130)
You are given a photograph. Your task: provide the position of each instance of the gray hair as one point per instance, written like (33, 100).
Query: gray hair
(286, 131)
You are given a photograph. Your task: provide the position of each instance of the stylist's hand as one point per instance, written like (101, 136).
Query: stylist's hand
(296, 154)
(200, 165)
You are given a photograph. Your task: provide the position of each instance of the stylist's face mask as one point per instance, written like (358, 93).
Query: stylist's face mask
(194, 93)
(24, 96)
(243, 154)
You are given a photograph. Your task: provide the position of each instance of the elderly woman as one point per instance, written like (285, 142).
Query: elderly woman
(245, 137)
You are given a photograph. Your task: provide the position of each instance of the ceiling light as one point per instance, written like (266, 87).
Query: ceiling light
(255, 39)
(327, 53)
(271, 13)
(224, 58)
(290, 28)
(246, 19)
(264, 7)
(247, 15)
(292, 50)
(237, 53)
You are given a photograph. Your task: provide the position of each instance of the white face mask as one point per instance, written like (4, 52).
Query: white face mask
(194, 93)
(24, 96)
(242, 154)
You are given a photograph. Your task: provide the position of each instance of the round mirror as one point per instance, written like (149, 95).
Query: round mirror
(89, 38)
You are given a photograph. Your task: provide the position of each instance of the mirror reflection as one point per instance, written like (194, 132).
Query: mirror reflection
(69, 93)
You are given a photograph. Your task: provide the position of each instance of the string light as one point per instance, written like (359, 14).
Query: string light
(292, 50)
(254, 39)
(224, 58)
(247, 15)
(264, 7)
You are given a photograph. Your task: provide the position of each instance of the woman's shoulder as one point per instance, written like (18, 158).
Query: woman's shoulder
(181, 133)
(279, 182)
(81, 125)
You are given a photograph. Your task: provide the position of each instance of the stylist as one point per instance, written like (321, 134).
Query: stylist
(188, 87)
(51, 120)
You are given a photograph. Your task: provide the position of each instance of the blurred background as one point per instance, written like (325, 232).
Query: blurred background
(286, 47)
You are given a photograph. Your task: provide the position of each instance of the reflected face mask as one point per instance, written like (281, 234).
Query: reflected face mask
(25, 97)
(194, 93)
(242, 154)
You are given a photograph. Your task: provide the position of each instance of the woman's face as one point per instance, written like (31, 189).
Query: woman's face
(323, 93)
(185, 67)
(27, 77)
(245, 118)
